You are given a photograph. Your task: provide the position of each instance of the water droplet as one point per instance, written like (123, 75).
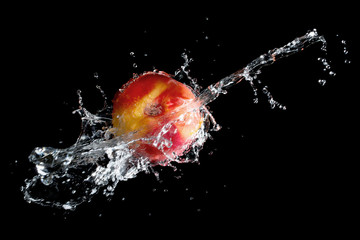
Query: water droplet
(331, 73)
(217, 127)
(135, 75)
(132, 54)
(134, 65)
(46, 180)
(322, 82)
(67, 206)
(96, 75)
(93, 191)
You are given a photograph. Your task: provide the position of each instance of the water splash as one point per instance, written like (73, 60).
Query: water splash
(98, 160)
(253, 69)
(345, 52)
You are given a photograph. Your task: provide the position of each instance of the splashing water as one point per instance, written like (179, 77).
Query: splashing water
(98, 160)
(253, 69)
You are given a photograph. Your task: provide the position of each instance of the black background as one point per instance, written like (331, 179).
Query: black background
(266, 171)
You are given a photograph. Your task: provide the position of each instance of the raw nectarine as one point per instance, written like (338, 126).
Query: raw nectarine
(158, 112)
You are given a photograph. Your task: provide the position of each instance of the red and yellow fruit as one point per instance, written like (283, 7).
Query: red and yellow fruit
(154, 107)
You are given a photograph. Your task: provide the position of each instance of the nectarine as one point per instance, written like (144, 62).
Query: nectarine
(157, 112)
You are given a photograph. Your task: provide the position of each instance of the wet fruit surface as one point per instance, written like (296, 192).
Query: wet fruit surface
(156, 107)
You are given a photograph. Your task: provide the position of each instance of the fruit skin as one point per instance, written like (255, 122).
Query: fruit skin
(151, 104)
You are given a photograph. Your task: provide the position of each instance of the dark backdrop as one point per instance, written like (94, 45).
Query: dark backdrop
(266, 170)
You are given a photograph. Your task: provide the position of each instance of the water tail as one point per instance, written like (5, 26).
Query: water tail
(248, 72)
